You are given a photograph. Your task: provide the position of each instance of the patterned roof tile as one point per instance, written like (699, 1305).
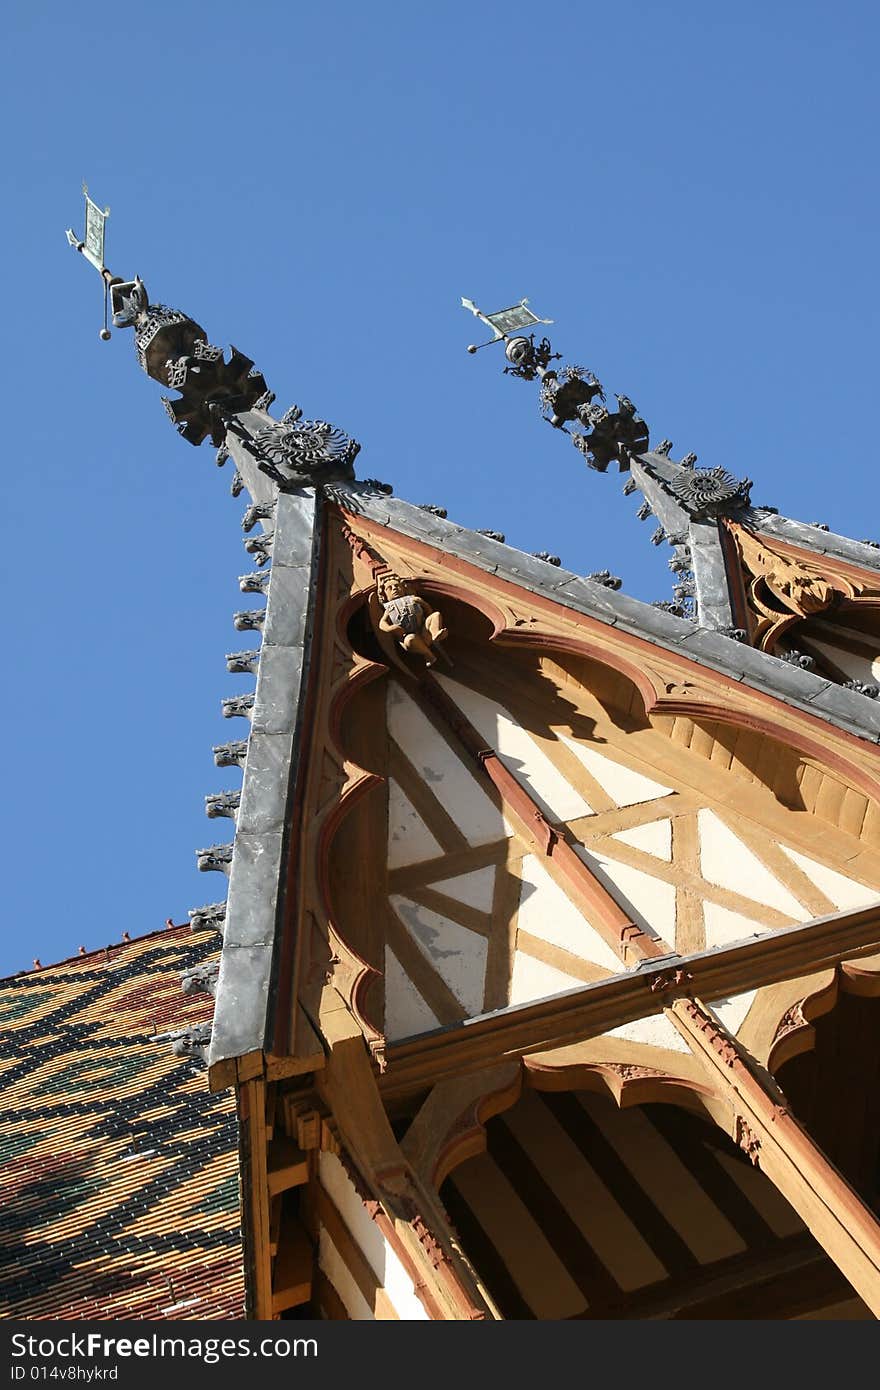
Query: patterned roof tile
(121, 1179)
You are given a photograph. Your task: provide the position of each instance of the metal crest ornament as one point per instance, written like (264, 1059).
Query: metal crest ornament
(217, 397)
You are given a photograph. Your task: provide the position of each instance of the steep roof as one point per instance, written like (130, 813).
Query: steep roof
(121, 1194)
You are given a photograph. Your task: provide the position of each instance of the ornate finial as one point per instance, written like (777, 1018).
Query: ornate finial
(568, 396)
(172, 348)
(226, 401)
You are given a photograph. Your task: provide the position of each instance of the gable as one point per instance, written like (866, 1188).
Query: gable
(547, 806)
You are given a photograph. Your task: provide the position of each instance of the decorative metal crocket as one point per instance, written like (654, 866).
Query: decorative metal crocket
(572, 395)
(174, 350)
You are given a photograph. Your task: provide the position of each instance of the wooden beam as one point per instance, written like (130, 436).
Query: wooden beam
(255, 1194)
(354, 1259)
(766, 1129)
(567, 1018)
(288, 1166)
(780, 1283)
(292, 1275)
(274, 1225)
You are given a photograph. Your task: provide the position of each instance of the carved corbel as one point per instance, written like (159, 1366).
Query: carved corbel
(404, 618)
(201, 979)
(450, 1126)
(238, 705)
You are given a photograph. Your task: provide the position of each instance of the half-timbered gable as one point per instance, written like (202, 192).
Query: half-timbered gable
(551, 951)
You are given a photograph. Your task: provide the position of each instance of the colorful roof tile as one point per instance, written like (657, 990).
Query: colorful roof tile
(121, 1189)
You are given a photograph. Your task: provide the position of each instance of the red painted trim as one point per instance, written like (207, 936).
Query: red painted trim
(640, 646)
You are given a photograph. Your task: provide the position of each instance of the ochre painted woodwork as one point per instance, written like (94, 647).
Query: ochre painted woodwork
(764, 1127)
(718, 760)
(787, 589)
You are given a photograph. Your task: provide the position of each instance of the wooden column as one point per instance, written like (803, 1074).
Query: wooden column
(252, 1114)
(766, 1130)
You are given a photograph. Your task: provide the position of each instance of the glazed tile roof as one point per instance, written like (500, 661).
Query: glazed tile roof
(120, 1169)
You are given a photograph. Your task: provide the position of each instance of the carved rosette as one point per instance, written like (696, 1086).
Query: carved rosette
(307, 447)
(708, 492)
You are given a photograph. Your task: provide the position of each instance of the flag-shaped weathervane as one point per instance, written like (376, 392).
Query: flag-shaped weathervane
(504, 321)
(92, 245)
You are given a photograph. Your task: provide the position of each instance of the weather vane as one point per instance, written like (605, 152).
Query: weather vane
(92, 247)
(568, 396)
(504, 322)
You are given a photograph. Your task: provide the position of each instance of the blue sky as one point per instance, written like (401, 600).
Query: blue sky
(688, 190)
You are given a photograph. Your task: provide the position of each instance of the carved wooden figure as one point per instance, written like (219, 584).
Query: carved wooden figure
(410, 619)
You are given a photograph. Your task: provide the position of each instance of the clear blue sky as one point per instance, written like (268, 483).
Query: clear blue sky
(689, 190)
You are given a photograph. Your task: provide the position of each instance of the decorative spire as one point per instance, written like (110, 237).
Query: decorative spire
(223, 400)
(571, 395)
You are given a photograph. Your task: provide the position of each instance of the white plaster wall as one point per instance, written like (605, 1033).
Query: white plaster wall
(532, 979)
(409, 839)
(844, 892)
(625, 786)
(726, 861)
(854, 666)
(458, 955)
(655, 1031)
(547, 912)
(336, 1270)
(732, 1012)
(724, 926)
(382, 1259)
(406, 1012)
(475, 889)
(649, 900)
(519, 753)
(654, 838)
(462, 796)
